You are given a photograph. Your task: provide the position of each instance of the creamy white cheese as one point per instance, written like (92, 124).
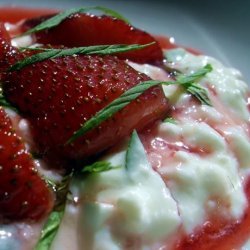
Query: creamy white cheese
(23, 41)
(227, 82)
(18, 236)
(197, 182)
(126, 203)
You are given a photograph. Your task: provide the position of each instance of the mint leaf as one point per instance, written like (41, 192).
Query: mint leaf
(194, 77)
(49, 231)
(57, 19)
(111, 12)
(135, 152)
(53, 222)
(98, 167)
(136, 161)
(186, 81)
(199, 92)
(190, 84)
(170, 120)
(89, 50)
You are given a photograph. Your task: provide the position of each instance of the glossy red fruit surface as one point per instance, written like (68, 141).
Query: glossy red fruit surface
(60, 94)
(23, 194)
(85, 30)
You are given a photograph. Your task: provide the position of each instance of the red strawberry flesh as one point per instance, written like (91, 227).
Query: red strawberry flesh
(23, 194)
(59, 95)
(85, 30)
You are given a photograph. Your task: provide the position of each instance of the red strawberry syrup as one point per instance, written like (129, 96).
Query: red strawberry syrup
(219, 234)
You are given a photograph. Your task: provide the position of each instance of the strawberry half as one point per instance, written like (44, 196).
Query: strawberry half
(85, 30)
(58, 95)
(23, 194)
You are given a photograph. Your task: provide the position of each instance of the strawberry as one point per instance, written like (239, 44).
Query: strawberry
(6, 48)
(23, 194)
(86, 30)
(58, 95)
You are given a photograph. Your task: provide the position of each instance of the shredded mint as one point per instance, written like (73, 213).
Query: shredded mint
(49, 231)
(136, 161)
(53, 222)
(199, 92)
(188, 82)
(57, 19)
(98, 167)
(135, 154)
(170, 120)
(194, 77)
(89, 50)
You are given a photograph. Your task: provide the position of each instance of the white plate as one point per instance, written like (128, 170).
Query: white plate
(219, 28)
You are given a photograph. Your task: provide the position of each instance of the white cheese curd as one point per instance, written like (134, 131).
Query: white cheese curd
(19, 236)
(23, 41)
(240, 145)
(195, 179)
(126, 204)
(227, 82)
(154, 72)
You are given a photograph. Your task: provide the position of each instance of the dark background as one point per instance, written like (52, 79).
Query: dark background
(219, 28)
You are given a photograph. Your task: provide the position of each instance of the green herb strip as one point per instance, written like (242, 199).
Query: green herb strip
(49, 231)
(98, 167)
(199, 92)
(53, 222)
(170, 120)
(57, 19)
(194, 77)
(136, 158)
(188, 82)
(89, 50)
(130, 156)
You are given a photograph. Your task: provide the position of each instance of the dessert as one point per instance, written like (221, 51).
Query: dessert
(137, 145)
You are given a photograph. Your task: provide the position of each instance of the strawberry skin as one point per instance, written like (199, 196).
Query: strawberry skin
(59, 95)
(7, 53)
(86, 30)
(23, 194)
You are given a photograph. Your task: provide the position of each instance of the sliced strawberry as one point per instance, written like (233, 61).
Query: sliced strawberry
(6, 50)
(86, 30)
(23, 194)
(60, 94)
